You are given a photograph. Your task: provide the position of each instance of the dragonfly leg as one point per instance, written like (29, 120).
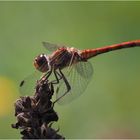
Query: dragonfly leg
(66, 83)
(57, 76)
(46, 75)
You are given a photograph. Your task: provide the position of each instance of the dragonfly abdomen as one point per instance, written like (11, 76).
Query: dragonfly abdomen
(86, 54)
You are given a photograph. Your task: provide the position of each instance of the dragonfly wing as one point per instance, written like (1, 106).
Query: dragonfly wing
(78, 77)
(27, 86)
(85, 69)
(50, 46)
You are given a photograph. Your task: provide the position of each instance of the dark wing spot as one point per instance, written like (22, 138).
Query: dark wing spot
(21, 84)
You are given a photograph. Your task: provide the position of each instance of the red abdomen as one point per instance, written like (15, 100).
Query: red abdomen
(88, 53)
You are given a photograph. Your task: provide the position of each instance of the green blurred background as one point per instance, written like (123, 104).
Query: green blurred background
(110, 106)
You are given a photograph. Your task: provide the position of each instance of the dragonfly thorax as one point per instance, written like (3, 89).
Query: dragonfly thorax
(41, 63)
(63, 57)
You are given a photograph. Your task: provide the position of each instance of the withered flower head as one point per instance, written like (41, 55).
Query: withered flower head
(35, 114)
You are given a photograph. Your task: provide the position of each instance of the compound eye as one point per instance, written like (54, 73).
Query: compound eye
(41, 63)
(41, 60)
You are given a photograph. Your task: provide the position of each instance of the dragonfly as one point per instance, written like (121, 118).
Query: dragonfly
(70, 67)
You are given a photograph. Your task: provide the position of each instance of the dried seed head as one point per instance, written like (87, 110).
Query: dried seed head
(35, 114)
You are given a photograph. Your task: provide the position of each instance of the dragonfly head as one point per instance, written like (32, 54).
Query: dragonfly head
(41, 63)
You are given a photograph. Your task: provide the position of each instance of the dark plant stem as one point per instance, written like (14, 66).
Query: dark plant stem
(35, 114)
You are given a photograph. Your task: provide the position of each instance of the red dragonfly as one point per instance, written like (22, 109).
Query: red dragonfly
(71, 69)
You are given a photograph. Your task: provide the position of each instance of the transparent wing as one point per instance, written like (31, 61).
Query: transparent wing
(50, 46)
(27, 86)
(78, 77)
